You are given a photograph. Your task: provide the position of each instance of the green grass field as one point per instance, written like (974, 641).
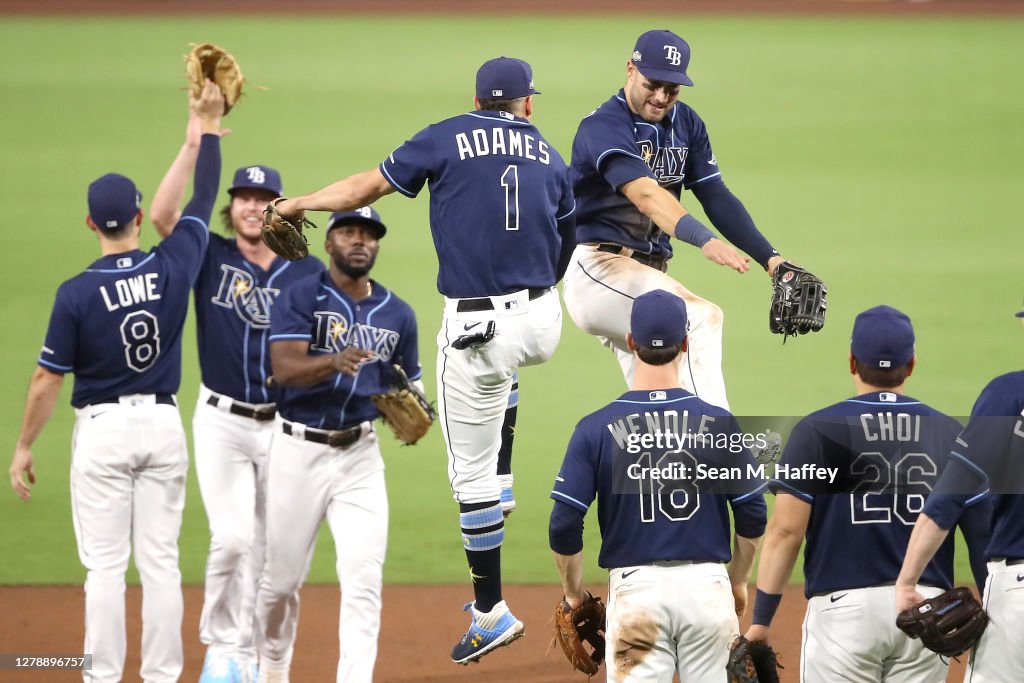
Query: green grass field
(884, 153)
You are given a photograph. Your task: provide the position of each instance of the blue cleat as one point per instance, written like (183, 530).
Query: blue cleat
(488, 631)
(220, 668)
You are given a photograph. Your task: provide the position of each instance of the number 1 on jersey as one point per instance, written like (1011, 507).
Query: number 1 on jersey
(510, 181)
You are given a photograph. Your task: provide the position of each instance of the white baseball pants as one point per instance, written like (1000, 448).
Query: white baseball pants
(231, 454)
(128, 467)
(599, 290)
(669, 618)
(474, 383)
(307, 482)
(999, 656)
(851, 635)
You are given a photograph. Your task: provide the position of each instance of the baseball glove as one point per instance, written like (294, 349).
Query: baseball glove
(798, 301)
(949, 624)
(405, 409)
(585, 624)
(283, 234)
(752, 662)
(209, 61)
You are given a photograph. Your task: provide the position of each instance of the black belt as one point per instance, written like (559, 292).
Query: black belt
(342, 438)
(162, 399)
(485, 304)
(1010, 561)
(258, 414)
(656, 262)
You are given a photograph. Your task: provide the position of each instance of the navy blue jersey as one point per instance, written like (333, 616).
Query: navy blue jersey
(889, 450)
(653, 502)
(675, 151)
(117, 326)
(989, 454)
(315, 310)
(497, 192)
(233, 302)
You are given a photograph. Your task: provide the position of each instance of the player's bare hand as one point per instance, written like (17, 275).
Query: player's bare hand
(348, 361)
(907, 597)
(739, 596)
(757, 633)
(725, 255)
(287, 207)
(209, 107)
(575, 599)
(21, 464)
(773, 263)
(194, 130)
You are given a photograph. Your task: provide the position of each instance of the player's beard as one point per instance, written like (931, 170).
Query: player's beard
(353, 271)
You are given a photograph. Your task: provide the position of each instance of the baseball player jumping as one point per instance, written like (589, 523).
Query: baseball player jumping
(987, 456)
(117, 327)
(238, 284)
(501, 217)
(672, 602)
(334, 338)
(631, 159)
(881, 441)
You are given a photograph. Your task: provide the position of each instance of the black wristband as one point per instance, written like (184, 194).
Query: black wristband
(765, 605)
(690, 230)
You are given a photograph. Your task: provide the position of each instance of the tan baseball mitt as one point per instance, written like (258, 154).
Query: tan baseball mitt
(405, 409)
(283, 234)
(209, 61)
(585, 624)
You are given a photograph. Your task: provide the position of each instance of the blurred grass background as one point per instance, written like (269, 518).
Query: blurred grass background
(884, 153)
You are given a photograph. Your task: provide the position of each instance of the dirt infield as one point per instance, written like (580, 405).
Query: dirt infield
(420, 625)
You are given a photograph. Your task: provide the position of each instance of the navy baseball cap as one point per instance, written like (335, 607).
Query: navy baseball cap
(505, 78)
(662, 56)
(366, 215)
(257, 178)
(113, 201)
(658, 319)
(882, 338)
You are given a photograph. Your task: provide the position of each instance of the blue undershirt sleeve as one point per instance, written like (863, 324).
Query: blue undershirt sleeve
(206, 179)
(567, 230)
(976, 524)
(732, 219)
(565, 529)
(751, 517)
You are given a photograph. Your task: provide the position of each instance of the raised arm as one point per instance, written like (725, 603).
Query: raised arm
(361, 189)
(165, 210)
(43, 389)
(206, 180)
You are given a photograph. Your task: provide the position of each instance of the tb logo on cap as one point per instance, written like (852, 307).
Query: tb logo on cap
(257, 175)
(672, 55)
(364, 212)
